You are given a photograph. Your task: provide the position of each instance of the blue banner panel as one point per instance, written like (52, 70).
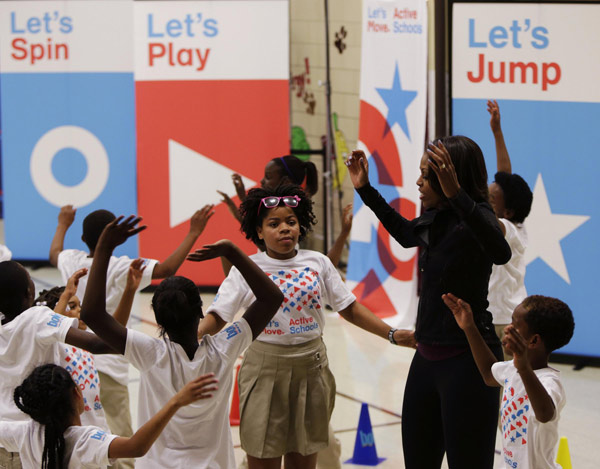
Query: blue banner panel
(551, 147)
(67, 138)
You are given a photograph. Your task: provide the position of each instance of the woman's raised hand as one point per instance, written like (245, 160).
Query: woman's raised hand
(441, 164)
(358, 168)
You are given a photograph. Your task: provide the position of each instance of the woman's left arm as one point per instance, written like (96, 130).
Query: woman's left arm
(482, 221)
(480, 218)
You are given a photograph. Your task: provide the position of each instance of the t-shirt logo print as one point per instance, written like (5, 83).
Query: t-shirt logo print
(299, 287)
(514, 416)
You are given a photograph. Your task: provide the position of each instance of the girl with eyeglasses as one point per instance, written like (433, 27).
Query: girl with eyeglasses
(287, 391)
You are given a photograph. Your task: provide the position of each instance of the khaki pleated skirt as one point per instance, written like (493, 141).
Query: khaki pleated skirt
(287, 394)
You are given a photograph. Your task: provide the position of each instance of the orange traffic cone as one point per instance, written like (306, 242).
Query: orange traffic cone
(234, 413)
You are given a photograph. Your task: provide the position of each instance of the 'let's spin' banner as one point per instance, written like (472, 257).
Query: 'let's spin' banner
(68, 123)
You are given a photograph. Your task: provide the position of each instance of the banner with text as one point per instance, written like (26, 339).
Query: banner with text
(393, 100)
(212, 98)
(545, 77)
(68, 123)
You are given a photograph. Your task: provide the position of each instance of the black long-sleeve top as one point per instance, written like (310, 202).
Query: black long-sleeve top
(458, 245)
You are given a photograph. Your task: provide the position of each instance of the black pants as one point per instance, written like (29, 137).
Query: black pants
(448, 408)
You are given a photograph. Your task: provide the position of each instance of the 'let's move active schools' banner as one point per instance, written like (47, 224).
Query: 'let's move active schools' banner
(393, 106)
(200, 86)
(545, 77)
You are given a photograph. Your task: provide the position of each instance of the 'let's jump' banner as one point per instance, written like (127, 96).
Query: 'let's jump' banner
(393, 106)
(212, 99)
(68, 123)
(545, 76)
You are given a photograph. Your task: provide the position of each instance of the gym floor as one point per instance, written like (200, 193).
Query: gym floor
(368, 369)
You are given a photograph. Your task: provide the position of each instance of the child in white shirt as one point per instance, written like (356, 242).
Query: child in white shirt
(55, 438)
(289, 357)
(533, 395)
(113, 368)
(28, 335)
(200, 435)
(511, 198)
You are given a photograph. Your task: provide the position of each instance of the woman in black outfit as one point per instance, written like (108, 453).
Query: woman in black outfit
(447, 407)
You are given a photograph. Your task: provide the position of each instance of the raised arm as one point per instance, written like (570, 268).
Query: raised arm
(484, 358)
(335, 253)
(231, 206)
(197, 224)
(541, 402)
(502, 157)
(268, 296)
(88, 341)
(479, 217)
(134, 277)
(69, 291)
(240, 190)
(93, 310)
(66, 216)
(138, 445)
(396, 225)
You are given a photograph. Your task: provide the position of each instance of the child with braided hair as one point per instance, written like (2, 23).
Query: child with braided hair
(28, 337)
(55, 438)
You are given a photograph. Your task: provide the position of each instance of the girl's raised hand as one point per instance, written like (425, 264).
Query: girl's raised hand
(460, 309)
(441, 164)
(200, 219)
(494, 110)
(134, 274)
(240, 189)
(118, 231)
(233, 209)
(358, 168)
(73, 281)
(211, 251)
(200, 388)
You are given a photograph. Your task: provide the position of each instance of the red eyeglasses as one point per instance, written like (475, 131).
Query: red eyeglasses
(273, 201)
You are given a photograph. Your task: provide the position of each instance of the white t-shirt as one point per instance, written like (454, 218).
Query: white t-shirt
(26, 342)
(526, 442)
(70, 261)
(198, 435)
(5, 254)
(308, 281)
(80, 363)
(507, 282)
(85, 447)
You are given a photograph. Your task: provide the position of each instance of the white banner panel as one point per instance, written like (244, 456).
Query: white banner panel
(94, 36)
(182, 40)
(526, 52)
(393, 94)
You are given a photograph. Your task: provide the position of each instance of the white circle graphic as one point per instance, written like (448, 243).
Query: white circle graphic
(82, 140)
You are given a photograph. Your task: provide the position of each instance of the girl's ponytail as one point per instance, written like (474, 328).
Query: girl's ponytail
(46, 396)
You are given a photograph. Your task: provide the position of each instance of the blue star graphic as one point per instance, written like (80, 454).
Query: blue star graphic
(397, 100)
